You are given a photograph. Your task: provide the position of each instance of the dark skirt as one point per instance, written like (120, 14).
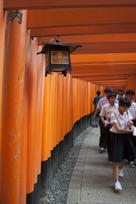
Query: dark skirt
(134, 137)
(102, 140)
(121, 147)
(107, 133)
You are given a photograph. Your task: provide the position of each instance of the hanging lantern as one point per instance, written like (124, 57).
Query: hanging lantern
(58, 56)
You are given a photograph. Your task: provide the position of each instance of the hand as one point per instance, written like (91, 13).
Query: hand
(130, 131)
(130, 123)
(106, 123)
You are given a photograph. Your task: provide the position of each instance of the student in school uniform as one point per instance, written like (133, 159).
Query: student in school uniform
(130, 94)
(119, 95)
(121, 144)
(95, 102)
(101, 103)
(105, 113)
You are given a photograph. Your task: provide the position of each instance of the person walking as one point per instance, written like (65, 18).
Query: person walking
(105, 113)
(121, 145)
(119, 95)
(101, 103)
(95, 102)
(130, 94)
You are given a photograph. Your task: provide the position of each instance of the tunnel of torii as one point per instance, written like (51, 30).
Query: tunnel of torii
(40, 116)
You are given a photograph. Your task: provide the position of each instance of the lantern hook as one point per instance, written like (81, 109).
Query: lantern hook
(55, 39)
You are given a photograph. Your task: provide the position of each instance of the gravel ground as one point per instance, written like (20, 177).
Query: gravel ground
(57, 194)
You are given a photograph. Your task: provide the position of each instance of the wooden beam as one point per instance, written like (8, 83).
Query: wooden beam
(99, 48)
(114, 86)
(111, 84)
(116, 43)
(97, 75)
(96, 79)
(124, 76)
(103, 78)
(103, 72)
(94, 73)
(103, 58)
(46, 4)
(83, 29)
(120, 81)
(81, 16)
(98, 38)
(103, 69)
(114, 63)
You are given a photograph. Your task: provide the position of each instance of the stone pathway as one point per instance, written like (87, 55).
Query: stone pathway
(57, 193)
(92, 181)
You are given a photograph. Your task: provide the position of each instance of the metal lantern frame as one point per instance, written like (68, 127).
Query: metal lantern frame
(50, 48)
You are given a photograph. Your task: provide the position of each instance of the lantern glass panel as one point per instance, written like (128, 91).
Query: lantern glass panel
(59, 57)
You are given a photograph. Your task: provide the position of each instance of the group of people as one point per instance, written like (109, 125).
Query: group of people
(117, 120)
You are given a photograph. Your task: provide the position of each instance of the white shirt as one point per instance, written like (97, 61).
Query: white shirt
(116, 101)
(122, 120)
(132, 111)
(102, 102)
(107, 109)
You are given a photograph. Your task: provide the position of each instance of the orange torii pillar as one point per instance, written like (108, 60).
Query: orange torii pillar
(132, 82)
(2, 36)
(13, 83)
